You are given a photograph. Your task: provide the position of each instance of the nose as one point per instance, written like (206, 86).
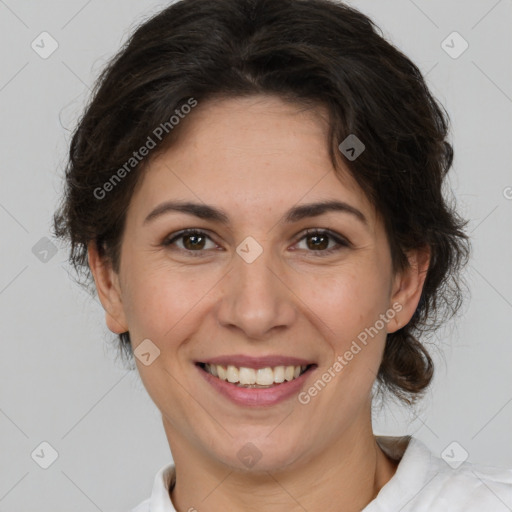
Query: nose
(256, 298)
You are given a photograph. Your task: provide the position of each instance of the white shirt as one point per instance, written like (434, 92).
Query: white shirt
(422, 482)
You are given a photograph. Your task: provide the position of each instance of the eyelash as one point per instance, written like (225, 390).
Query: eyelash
(341, 242)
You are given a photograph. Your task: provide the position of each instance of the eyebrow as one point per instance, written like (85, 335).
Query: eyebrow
(295, 214)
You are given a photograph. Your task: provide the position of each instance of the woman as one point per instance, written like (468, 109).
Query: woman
(256, 189)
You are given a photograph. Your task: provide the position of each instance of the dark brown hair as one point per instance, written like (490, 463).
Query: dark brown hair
(315, 52)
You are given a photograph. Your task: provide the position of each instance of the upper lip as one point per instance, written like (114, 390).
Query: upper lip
(245, 361)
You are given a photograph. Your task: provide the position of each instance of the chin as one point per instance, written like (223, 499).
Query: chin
(260, 455)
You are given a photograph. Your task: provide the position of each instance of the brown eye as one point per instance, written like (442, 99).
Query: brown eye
(323, 242)
(192, 242)
(189, 241)
(318, 241)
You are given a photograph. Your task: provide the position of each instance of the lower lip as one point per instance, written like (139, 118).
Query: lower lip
(256, 396)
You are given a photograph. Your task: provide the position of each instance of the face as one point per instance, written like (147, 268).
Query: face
(260, 285)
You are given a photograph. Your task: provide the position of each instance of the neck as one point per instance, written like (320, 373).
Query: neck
(345, 476)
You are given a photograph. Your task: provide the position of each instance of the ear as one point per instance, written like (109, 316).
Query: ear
(407, 287)
(109, 290)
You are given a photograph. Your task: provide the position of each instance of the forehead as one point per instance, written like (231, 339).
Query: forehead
(255, 151)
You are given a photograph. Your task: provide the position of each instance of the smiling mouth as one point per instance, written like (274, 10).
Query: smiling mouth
(244, 377)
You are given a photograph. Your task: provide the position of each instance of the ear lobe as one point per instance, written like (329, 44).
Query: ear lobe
(108, 288)
(407, 287)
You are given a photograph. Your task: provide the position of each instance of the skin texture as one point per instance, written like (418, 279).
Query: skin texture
(255, 158)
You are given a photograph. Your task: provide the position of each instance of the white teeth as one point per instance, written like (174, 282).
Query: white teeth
(221, 371)
(232, 374)
(264, 377)
(247, 376)
(255, 377)
(279, 374)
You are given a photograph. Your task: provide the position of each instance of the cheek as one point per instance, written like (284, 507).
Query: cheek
(166, 306)
(347, 300)
(349, 305)
(161, 299)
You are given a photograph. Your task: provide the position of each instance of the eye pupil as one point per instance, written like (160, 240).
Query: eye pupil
(323, 245)
(195, 244)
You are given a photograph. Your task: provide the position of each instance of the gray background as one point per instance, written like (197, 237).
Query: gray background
(60, 381)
